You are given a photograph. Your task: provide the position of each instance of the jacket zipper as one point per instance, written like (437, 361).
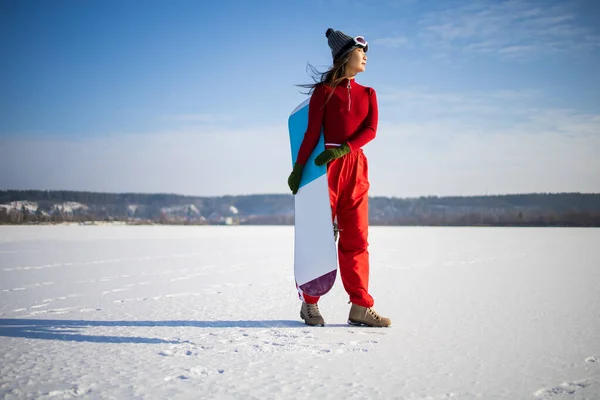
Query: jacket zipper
(349, 97)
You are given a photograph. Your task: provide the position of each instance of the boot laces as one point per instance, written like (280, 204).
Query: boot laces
(313, 310)
(373, 313)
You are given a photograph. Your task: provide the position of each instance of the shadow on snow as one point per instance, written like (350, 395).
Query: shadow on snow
(70, 330)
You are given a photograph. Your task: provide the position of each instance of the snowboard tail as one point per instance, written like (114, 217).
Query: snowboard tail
(319, 286)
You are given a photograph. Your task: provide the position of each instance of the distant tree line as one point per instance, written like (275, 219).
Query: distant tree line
(537, 209)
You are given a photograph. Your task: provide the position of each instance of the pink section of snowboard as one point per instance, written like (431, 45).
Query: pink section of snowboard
(321, 285)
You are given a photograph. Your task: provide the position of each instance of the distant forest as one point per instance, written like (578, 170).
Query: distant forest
(536, 209)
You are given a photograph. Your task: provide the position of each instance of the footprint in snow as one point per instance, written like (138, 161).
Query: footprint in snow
(13, 290)
(178, 377)
(132, 299)
(53, 299)
(56, 311)
(186, 348)
(75, 391)
(200, 372)
(566, 388)
(114, 290)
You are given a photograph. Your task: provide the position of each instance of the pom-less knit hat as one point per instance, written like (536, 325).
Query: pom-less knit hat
(342, 44)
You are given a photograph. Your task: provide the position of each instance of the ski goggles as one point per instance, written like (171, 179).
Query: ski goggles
(360, 41)
(357, 41)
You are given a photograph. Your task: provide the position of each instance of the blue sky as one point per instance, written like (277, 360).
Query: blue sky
(193, 97)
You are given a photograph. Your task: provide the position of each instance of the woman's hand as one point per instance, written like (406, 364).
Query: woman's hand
(295, 178)
(331, 154)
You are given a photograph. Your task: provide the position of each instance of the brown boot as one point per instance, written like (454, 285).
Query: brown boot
(311, 315)
(366, 316)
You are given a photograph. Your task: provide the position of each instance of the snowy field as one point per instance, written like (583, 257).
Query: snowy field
(148, 312)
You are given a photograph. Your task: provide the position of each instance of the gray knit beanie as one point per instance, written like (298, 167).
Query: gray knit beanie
(341, 44)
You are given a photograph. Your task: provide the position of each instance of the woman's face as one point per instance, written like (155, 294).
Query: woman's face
(357, 62)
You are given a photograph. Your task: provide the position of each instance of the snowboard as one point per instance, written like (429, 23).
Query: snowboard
(315, 252)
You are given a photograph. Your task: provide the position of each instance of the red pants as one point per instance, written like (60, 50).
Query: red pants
(348, 193)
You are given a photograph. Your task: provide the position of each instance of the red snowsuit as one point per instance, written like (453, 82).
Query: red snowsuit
(349, 116)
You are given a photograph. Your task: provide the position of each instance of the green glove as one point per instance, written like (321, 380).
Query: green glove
(295, 178)
(331, 154)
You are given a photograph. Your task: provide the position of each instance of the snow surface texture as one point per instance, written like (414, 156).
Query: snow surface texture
(212, 312)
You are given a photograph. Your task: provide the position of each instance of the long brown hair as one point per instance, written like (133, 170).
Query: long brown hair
(332, 77)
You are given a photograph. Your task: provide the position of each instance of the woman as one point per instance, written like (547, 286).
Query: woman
(347, 112)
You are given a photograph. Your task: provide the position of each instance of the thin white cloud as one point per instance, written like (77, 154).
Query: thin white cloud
(507, 111)
(196, 118)
(516, 50)
(510, 29)
(393, 42)
(465, 105)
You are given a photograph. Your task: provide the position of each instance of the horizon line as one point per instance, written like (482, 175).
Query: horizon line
(289, 194)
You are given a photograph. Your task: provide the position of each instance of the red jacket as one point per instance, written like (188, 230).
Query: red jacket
(349, 116)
